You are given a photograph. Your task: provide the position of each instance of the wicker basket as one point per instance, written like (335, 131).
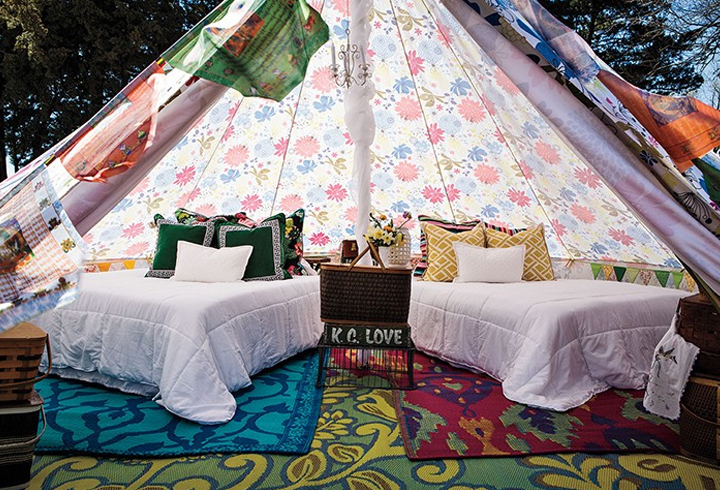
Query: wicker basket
(360, 294)
(700, 324)
(21, 348)
(18, 436)
(700, 419)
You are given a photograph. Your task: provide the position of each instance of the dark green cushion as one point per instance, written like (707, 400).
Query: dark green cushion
(169, 234)
(267, 239)
(293, 240)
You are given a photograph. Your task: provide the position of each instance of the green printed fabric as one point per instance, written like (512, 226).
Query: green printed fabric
(261, 50)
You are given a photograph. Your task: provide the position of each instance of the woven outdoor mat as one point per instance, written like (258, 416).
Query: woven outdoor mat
(455, 413)
(277, 414)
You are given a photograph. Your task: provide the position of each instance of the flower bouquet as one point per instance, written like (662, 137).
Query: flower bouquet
(390, 240)
(382, 232)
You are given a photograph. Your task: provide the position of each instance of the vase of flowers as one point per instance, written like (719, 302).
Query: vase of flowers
(392, 242)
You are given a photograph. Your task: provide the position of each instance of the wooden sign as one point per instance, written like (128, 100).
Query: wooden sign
(366, 335)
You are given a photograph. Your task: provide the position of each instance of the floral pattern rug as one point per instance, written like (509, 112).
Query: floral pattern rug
(277, 414)
(455, 413)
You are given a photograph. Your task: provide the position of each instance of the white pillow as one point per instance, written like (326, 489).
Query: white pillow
(480, 264)
(205, 264)
(308, 268)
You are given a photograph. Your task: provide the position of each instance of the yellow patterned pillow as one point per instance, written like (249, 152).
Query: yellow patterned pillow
(537, 266)
(442, 261)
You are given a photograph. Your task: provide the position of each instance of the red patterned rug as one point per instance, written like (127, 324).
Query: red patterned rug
(455, 413)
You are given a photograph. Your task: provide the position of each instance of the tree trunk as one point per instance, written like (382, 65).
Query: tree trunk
(3, 148)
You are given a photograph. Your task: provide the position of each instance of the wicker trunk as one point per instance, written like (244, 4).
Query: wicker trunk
(700, 419)
(18, 436)
(367, 339)
(700, 324)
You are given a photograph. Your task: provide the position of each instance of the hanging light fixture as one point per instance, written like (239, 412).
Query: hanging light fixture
(349, 56)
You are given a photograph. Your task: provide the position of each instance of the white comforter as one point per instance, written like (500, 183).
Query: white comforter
(552, 344)
(188, 344)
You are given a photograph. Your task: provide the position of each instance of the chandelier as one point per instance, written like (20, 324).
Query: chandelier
(349, 56)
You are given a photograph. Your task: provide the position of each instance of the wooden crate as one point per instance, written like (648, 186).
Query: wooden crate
(371, 356)
(21, 349)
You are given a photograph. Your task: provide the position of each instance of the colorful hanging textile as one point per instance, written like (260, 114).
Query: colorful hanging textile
(565, 54)
(709, 166)
(260, 49)
(684, 126)
(117, 136)
(40, 252)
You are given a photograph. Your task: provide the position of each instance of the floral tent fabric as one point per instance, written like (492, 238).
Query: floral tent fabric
(677, 207)
(456, 138)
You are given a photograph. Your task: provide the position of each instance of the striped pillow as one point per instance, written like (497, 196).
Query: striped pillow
(422, 265)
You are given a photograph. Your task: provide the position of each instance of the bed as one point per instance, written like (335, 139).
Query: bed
(553, 344)
(187, 344)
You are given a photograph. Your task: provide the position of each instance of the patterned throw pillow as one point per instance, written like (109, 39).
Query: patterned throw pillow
(441, 258)
(267, 239)
(169, 234)
(294, 243)
(537, 266)
(188, 217)
(293, 233)
(421, 266)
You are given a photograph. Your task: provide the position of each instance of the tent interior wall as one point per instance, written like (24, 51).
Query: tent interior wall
(455, 138)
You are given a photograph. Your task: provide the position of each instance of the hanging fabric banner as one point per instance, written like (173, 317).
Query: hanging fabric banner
(41, 254)
(116, 138)
(259, 49)
(684, 126)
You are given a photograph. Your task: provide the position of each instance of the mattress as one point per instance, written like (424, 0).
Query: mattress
(552, 344)
(187, 344)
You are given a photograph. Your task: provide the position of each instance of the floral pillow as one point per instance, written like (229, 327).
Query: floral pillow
(294, 243)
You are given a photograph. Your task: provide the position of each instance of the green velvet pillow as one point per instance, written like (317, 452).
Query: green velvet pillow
(169, 234)
(267, 239)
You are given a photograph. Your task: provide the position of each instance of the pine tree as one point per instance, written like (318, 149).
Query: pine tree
(62, 60)
(636, 38)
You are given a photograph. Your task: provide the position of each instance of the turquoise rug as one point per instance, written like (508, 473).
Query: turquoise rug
(277, 414)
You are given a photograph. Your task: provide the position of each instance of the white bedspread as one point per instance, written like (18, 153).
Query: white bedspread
(188, 344)
(552, 344)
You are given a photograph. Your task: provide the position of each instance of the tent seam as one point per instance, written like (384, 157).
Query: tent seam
(495, 123)
(292, 126)
(422, 109)
(212, 154)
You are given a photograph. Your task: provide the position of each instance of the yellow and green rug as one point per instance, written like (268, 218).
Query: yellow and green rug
(358, 445)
